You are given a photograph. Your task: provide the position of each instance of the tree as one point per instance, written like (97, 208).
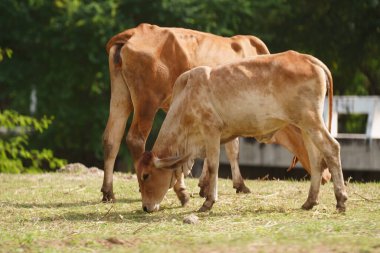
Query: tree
(59, 51)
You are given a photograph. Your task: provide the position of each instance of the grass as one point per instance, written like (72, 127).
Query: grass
(62, 213)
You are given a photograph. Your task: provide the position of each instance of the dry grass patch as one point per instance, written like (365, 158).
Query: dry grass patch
(63, 213)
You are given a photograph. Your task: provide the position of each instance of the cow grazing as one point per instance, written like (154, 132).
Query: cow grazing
(144, 63)
(253, 98)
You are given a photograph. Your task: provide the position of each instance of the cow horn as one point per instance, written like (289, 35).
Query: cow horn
(169, 162)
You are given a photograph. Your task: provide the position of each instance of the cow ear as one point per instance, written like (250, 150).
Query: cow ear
(169, 162)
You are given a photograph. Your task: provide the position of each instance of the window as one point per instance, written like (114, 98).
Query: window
(352, 123)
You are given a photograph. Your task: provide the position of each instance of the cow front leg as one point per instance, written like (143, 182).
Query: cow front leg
(204, 180)
(316, 167)
(232, 151)
(212, 154)
(180, 189)
(141, 126)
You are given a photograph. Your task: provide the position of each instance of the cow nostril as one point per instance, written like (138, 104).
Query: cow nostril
(145, 209)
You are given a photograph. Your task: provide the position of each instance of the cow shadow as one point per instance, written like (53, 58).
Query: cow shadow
(67, 204)
(138, 216)
(115, 216)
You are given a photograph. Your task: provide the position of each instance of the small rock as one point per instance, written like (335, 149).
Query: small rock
(191, 219)
(133, 176)
(35, 219)
(78, 168)
(94, 170)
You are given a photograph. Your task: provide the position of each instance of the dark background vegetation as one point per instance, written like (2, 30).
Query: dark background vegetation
(58, 48)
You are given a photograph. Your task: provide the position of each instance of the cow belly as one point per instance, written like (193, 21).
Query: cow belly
(263, 131)
(255, 116)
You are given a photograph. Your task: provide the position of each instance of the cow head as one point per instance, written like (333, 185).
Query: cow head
(156, 176)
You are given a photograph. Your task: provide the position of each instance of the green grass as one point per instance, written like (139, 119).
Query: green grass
(63, 213)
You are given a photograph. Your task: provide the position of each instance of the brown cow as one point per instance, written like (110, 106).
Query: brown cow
(144, 63)
(253, 98)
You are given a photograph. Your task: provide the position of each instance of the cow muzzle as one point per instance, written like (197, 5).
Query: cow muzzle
(150, 207)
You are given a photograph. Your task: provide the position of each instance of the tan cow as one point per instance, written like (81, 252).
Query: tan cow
(253, 98)
(144, 63)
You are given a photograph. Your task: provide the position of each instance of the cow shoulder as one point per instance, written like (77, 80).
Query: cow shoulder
(193, 78)
(204, 110)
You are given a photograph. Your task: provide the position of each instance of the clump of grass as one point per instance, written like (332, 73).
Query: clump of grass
(63, 213)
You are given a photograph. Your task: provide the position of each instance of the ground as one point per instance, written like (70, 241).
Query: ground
(60, 212)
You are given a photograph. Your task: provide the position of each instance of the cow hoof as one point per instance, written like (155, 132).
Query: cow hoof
(108, 197)
(203, 191)
(207, 205)
(341, 208)
(182, 195)
(204, 209)
(309, 205)
(242, 189)
(185, 198)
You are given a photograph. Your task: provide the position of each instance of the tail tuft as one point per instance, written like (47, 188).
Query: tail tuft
(117, 57)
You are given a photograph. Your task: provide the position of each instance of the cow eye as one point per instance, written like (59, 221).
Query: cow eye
(145, 177)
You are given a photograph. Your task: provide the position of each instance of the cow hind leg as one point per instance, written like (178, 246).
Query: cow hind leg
(232, 151)
(291, 138)
(330, 150)
(204, 180)
(111, 142)
(120, 108)
(315, 159)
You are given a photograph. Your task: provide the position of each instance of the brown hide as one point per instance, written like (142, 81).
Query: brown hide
(255, 97)
(144, 63)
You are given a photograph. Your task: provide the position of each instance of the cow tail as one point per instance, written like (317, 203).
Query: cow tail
(330, 88)
(118, 41)
(330, 94)
(117, 56)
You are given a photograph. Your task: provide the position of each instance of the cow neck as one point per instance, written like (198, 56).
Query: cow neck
(172, 139)
(174, 145)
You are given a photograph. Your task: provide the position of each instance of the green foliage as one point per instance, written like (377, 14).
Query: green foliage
(15, 156)
(58, 49)
(352, 123)
(5, 53)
